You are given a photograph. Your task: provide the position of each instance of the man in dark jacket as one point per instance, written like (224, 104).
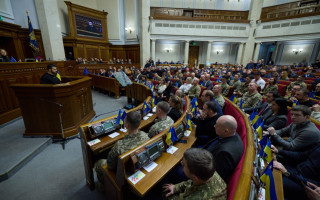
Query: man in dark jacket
(51, 76)
(227, 149)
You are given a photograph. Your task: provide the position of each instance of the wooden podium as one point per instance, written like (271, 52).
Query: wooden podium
(56, 110)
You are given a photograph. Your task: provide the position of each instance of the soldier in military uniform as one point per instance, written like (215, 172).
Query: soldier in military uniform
(293, 92)
(163, 121)
(244, 87)
(195, 89)
(235, 83)
(224, 86)
(218, 97)
(299, 81)
(199, 166)
(132, 139)
(252, 97)
(271, 87)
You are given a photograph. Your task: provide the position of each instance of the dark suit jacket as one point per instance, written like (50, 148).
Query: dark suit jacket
(209, 85)
(275, 121)
(174, 114)
(227, 154)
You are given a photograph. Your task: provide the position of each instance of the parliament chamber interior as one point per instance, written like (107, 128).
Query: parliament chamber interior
(150, 99)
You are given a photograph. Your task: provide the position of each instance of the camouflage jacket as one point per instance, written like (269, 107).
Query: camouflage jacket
(225, 89)
(251, 100)
(160, 125)
(194, 91)
(243, 88)
(220, 100)
(214, 189)
(127, 143)
(270, 88)
(235, 84)
(302, 84)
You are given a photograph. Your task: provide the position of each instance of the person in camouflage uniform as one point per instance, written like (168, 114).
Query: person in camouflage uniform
(235, 83)
(271, 87)
(293, 92)
(218, 97)
(132, 139)
(299, 81)
(199, 166)
(244, 87)
(224, 86)
(252, 97)
(163, 121)
(195, 89)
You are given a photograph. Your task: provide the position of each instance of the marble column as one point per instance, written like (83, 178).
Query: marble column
(239, 55)
(153, 49)
(186, 52)
(144, 9)
(254, 16)
(208, 52)
(256, 52)
(49, 22)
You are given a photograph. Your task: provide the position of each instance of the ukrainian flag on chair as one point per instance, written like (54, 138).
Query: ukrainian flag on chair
(189, 124)
(260, 129)
(233, 98)
(267, 179)
(267, 152)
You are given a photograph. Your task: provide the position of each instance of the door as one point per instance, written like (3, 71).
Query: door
(193, 55)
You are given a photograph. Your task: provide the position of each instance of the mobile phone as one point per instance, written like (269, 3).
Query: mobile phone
(304, 181)
(183, 141)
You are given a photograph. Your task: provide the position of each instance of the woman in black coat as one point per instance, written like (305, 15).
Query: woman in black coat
(176, 109)
(278, 119)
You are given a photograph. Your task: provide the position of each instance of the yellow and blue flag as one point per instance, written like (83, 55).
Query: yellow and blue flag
(145, 108)
(171, 136)
(58, 75)
(241, 102)
(189, 124)
(123, 116)
(263, 143)
(253, 115)
(260, 129)
(257, 122)
(233, 98)
(85, 71)
(32, 37)
(119, 117)
(295, 102)
(267, 179)
(153, 102)
(267, 150)
(194, 105)
(12, 59)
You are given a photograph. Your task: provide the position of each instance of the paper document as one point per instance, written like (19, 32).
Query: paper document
(113, 135)
(172, 149)
(123, 130)
(145, 117)
(149, 114)
(150, 167)
(92, 142)
(136, 177)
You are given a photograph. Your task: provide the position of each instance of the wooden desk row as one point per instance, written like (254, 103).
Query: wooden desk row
(106, 83)
(115, 181)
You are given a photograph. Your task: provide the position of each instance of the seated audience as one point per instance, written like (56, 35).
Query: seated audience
(51, 76)
(302, 96)
(303, 134)
(235, 83)
(205, 183)
(180, 94)
(271, 87)
(294, 164)
(278, 118)
(227, 148)
(315, 112)
(169, 91)
(299, 80)
(316, 93)
(207, 120)
(224, 86)
(218, 97)
(185, 87)
(259, 81)
(207, 95)
(163, 121)
(161, 86)
(176, 108)
(195, 89)
(244, 86)
(4, 55)
(251, 98)
(132, 139)
(208, 82)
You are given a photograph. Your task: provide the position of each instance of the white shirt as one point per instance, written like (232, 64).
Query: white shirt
(260, 83)
(185, 87)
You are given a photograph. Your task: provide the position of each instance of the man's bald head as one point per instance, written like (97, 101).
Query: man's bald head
(226, 126)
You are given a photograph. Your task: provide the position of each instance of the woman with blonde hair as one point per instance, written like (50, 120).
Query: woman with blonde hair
(176, 109)
(284, 76)
(186, 86)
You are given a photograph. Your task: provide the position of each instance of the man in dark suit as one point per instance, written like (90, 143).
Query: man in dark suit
(208, 82)
(227, 149)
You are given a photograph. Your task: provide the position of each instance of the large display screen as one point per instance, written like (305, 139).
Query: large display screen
(88, 26)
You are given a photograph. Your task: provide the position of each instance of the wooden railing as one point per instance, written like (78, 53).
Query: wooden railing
(289, 11)
(199, 15)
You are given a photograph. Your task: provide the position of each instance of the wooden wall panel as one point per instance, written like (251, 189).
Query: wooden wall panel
(126, 51)
(92, 52)
(103, 54)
